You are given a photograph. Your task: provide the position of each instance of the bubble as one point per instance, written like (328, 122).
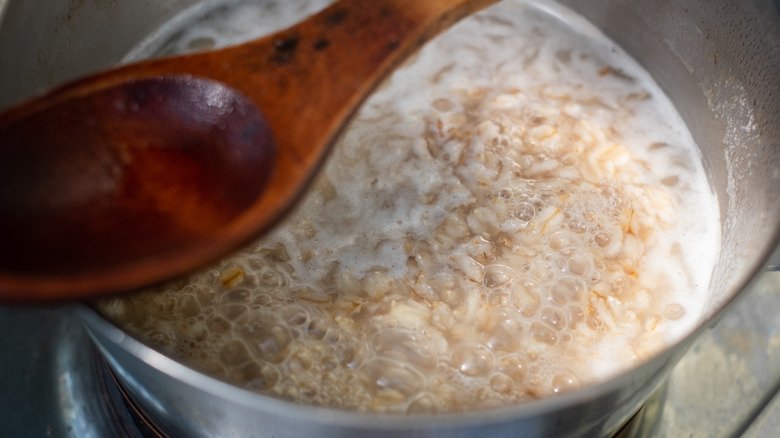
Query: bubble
(674, 311)
(567, 290)
(543, 334)
(406, 346)
(329, 364)
(391, 380)
(211, 277)
(499, 298)
(501, 383)
(423, 403)
(205, 296)
(236, 296)
(160, 338)
(496, 275)
(579, 262)
(301, 360)
(596, 323)
(167, 307)
(266, 334)
(295, 315)
(525, 212)
(578, 226)
(233, 311)
(188, 306)
(576, 316)
(317, 328)
(554, 318)
(272, 278)
(259, 375)
(542, 271)
(218, 325)
(472, 359)
(558, 261)
(275, 252)
(523, 197)
(329, 379)
(561, 240)
(502, 329)
(262, 300)
(602, 239)
(233, 352)
(352, 354)
(514, 366)
(527, 297)
(564, 382)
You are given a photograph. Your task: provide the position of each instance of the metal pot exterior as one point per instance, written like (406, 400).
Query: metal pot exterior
(718, 61)
(184, 402)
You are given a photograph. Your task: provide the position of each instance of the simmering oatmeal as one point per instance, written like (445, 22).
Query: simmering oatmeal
(518, 212)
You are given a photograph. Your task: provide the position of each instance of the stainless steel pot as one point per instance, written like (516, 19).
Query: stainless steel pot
(719, 61)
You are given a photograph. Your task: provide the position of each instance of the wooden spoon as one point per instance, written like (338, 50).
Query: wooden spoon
(148, 171)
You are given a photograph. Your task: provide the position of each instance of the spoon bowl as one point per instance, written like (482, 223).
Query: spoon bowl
(140, 176)
(145, 172)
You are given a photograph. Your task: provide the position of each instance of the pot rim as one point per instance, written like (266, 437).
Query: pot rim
(335, 417)
(295, 411)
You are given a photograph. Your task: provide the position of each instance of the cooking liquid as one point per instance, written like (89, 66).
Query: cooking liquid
(519, 211)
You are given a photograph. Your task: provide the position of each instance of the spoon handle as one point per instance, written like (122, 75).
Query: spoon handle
(307, 80)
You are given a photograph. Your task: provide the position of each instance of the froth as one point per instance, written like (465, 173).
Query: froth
(496, 225)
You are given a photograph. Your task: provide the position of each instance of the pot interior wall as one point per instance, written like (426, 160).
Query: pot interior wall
(48, 42)
(720, 65)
